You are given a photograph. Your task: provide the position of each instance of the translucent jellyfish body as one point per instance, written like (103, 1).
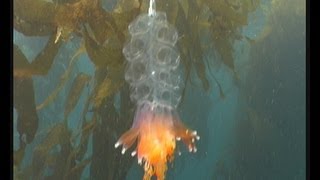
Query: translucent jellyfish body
(152, 57)
(155, 82)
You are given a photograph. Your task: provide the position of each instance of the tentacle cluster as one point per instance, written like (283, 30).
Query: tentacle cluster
(156, 129)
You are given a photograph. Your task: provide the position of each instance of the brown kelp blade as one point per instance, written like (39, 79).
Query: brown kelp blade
(64, 78)
(111, 84)
(104, 55)
(77, 87)
(225, 23)
(87, 129)
(32, 28)
(35, 11)
(190, 44)
(41, 64)
(57, 134)
(52, 152)
(76, 171)
(18, 156)
(24, 101)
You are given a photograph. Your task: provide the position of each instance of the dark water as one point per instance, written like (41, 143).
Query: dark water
(258, 131)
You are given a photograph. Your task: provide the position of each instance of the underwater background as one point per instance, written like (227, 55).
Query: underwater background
(245, 89)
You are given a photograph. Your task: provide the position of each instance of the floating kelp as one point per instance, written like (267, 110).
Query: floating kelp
(22, 174)
(63, 79)
(24, 101)
(57, 134)
(197, 53)
(41, 64)
(18, 155)
(32, 29)
(56, 154)
(226, 21)
(190, 45)
(20, 59)
(86, 130)
(76, 171)
(35, 11)
(109, 54)
(70, 17)
(103, 26)
(77, 86)
(111, 84)
(221, 93)
(122, 19)
(46, 153)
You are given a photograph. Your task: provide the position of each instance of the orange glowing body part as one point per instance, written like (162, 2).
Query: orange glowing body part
(156, 129)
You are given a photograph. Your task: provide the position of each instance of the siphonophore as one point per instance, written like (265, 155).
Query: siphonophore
(153, 74)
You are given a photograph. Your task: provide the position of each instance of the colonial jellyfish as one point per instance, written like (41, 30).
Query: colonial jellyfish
(155, 82)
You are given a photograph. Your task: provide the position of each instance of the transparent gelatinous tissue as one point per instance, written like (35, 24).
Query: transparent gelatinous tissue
(167, 96)
(167, 77)
(135, 48)
(136, 72)
(161, 17)
(165, 56)
(152, 60)
(166, 33)
(141, 92)
(140, 25)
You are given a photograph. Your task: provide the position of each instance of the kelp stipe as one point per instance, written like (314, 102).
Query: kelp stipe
(152, 73)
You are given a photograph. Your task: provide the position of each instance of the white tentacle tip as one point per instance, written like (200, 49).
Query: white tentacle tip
(194, 133)
(140, 161)
(198, 138)
(117, 144)
(123, 150)
(133, 153)
(178, 138)
(195, 149)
